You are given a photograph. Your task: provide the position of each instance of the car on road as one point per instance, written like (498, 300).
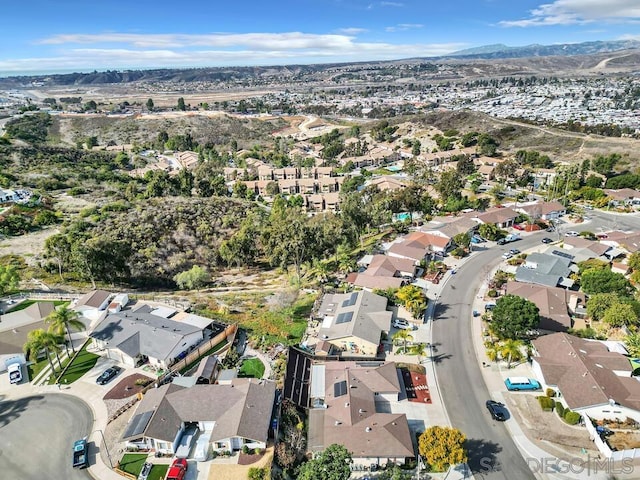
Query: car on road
(497, 410)
(178, 469)
(108, 375)
(507, 255)
(546, 240)
(402, 324)
(571, 233)
(521, 383)
(514, 251)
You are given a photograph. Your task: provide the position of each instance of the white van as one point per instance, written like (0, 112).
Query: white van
(15, 372)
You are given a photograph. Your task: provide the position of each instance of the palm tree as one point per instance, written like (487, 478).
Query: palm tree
(413, 299)
(38, 340)
(512, 351)
(62, 320)
(420, 350)
(492, 351)
(405, 336)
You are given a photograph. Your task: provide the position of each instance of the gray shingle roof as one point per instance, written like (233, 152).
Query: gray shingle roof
(137, 332)
(241, 409)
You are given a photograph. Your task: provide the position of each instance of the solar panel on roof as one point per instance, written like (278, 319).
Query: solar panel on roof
(562, 254)
(344, 317)
(340, 388)
(351, 300)
(138, 424)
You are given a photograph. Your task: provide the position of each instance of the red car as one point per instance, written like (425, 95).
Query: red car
(178, 469)
(518, 227)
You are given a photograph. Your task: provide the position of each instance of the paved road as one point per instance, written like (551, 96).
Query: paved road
(36, 436)
(493, 454)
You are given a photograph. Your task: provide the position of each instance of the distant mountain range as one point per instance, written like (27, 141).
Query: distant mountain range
(535, 50)
(304, 72)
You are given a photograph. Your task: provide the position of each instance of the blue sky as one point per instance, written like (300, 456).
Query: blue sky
(58, 35)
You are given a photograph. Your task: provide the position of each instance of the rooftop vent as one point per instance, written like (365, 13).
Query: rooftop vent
(368, 429)
(338, 423)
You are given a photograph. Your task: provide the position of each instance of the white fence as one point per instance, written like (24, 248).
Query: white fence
(615, 456)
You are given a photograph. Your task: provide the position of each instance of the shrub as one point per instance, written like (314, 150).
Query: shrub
(572, 418)
(257, 451)
(546, 403)
(560, 409)
(551, 392)
(245, 449)
(492, 293)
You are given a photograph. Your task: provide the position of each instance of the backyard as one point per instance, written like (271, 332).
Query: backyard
(268, 323)
(251, 367)
(132, 463)
(28, 303)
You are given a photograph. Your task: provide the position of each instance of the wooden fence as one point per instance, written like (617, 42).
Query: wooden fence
(228, 334)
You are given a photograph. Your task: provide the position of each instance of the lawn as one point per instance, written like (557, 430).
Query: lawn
(36, 368)
(28, 303)
(81, 364)
(252, 367)
(132, 463)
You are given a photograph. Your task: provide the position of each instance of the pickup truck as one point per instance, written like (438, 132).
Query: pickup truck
(178, 469)
(15, 372)
(80, 454)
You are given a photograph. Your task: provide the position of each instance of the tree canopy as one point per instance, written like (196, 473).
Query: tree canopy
(332, 464)
(9, 278)
(442, 447)
(596, 280)
(513, 317)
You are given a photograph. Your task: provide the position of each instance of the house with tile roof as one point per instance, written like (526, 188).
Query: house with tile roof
(344, 410)
(589, 378)
(228, 417)
(542, 210)
(385, 272)
(500, 217)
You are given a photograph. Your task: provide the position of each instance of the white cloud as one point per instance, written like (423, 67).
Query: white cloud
(391, 4)
(126, 50)
(568, 12)
(404, 26)
(352, 30)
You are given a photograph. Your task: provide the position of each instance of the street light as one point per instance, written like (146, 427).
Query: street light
(105, 446)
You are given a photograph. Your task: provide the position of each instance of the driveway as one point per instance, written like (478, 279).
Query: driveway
(37, 433)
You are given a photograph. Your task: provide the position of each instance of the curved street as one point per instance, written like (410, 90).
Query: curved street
(37, 434)
(493, 453)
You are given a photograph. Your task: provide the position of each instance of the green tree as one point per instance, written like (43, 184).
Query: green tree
(511, 350)
(150, 105)
(450, 185)
(513, 317)
(465, 166)
(490, 231)
(634, 261)
(632, 342)
(62, 320)
(38, 340)
(596, 280)
(463, 240)
(413, 299)
(58, 247)
(332, 464)
(181, 105)
(599, 303)
(9, 279)
(394, 473)
(442, 447)
(620, 314)
(402, 336)
(192, 279)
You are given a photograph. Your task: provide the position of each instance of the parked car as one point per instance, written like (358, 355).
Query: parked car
(502, 241)
(521, 383)
(108, 375)
(546, 240)
(497, 410)
(15, 372)
(507, 255)
(402, 324)
(80, 454)
(550, 229)
(178, 469)
(571, 233)
(146, 470)
(518, 227)
(514, 251)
